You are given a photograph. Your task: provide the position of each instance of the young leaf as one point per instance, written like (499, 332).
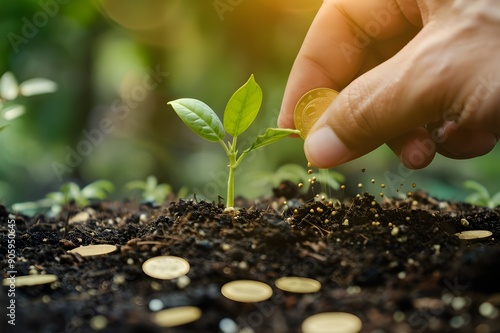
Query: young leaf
(242, 107)
(98, 189)
(494, 201)
(200, 118)
(13, 112)
(270, 136)
(478, 188)
(8, 86)
(37, 86)
(330, 178)
(151, 183)
(70, 190)
(135, 185)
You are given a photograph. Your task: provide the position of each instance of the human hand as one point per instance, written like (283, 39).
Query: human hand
(421, 76)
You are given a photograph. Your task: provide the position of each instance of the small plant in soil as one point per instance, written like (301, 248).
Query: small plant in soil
(151, 191)
(240, 112)
(68, 192)
(295, 173)
(480, 196)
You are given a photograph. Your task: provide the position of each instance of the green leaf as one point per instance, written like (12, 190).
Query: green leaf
(476, 199)
(293, 172)
(70, 190)
(200, 118)
(37, 86)
(270, 136)
(478, 188)
(2, 127)
(494, 201)
(98, 189)
(242, 107)
(330, 178)
(158, 194)
(135, 185)
(57, 197)
(8, 86)
(151, 183)
(12, 112)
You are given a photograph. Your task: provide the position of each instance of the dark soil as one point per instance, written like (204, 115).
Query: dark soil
(416, 278)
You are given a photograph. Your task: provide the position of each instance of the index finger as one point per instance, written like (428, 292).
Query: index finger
(340, 45)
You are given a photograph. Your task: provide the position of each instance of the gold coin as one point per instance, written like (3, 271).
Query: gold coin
(246, 291)
(332, 322)
(296, 284)
(166, 267)
(177, 316)
(30, 280)
(94, 250)
(310, 107)
(474, 234)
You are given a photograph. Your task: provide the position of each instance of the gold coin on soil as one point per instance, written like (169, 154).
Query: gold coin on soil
(296, 284)
(332, 322)
(474, 234)
(246, 291)
(94, 250)
(30, 280)
(166, 267)
(310, 107)
(177, 316)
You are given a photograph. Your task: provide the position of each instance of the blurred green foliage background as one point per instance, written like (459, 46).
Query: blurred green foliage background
(117, 63)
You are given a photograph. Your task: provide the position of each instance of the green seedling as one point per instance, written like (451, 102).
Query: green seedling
(240, 112)
(480, 195)
(68, 192)
(10, 90)
(297, 174)
(151, 191)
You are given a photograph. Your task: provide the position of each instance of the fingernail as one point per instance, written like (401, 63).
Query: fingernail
(324, 149)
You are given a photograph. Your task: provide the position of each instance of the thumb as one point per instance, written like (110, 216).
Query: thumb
(374, 109)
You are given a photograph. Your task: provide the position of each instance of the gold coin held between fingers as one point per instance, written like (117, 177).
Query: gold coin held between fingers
(296, 284)
(474, 234)
(30, 280)
(246, 291)
(177, 316)
(166, 267)
(332, 322)
(94, 250)
(310, 107)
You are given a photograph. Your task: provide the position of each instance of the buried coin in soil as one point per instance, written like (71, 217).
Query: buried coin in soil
(332, 322)
(474, 234)
(296, 284)
(94, 250)
(166, 267)
(31, 280)
(177, 316)
(246, 291)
